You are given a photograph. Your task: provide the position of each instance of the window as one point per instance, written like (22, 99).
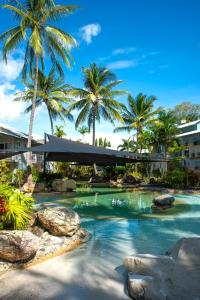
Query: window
(196, 143)
(192, 155)
(4, 146)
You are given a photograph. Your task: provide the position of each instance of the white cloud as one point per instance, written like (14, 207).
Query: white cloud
(9, 110)
(11, 70)
(89, 31)
(124, 50)
(122, 64)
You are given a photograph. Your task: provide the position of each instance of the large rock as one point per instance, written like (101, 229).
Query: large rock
(60, 221)
(130, 179)
(174, 277)
(63, 185)
(164, 200)
(18, 245)
(33, 187)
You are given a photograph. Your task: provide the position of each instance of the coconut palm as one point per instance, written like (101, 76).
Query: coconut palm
(139, 113)
(40, 38)
(127, 145)
(83, 131)
(51, 92)
(59, 132)
(97, 99)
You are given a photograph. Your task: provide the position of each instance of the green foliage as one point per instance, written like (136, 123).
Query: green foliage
(59, 132)
(127, 145)
(186, 111)
(15, 208)
(34, 28)
(98, 98)
(5, 172)
(103, 143)
(52, 93)
(140, 113)
(176, 178)
(19, 177)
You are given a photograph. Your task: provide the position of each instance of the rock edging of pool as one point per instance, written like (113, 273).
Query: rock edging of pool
(52, 232)
(173, 276)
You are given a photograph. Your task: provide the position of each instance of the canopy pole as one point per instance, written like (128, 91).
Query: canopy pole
(44, 165)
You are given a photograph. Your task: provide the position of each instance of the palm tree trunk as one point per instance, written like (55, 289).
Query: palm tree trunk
(30, 131)
(93, 137)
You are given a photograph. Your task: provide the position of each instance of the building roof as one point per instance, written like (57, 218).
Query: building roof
(189, 133)
(189, 124)
(59, 149)
(7, 130)
(10, 131)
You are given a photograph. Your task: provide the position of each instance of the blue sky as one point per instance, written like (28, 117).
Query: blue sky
(154, 46)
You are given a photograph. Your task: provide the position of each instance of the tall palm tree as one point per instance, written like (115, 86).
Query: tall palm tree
(51, 92)
(139, 113)
(40, 38)
(127, 145)
(97, 100)
(59, 132)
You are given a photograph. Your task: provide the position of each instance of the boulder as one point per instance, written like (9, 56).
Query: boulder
(164, 200)
(62, 185)
(59, 221)
(130, 179)
(70, 184)
(174, 277)
(18, 245)
(144, 287)
(96, 179)
(33, 187)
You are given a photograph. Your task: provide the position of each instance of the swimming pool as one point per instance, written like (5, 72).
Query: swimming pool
(123, 219)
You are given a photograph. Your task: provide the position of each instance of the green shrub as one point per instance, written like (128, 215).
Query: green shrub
(15, 208)
(176, 178)
(5, 172)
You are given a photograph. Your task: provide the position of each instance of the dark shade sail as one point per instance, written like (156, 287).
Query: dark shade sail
(58, 149)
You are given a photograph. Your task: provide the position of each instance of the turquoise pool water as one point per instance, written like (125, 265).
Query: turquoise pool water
(124, 221)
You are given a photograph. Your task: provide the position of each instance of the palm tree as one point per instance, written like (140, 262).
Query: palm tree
(103, 143)
(59, 132)
(83, 131)
(52, 92)
(40, 37)
(139, 114)
(127, 145)
(164, 131)
(97, 99)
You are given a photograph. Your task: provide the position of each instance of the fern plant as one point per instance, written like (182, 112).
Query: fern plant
(15, 208)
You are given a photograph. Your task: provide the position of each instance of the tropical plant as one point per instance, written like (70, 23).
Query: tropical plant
(5, 172)
(164, 131)
(15, 208)
(97, 99)
(59, 132)
(139, 114)
(103, 143)
(186, 112)
(83, 131)
(127, 145)
(51, 92)
(41, 39)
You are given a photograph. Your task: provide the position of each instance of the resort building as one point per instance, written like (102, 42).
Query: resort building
(190, 137)
(11, 140)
